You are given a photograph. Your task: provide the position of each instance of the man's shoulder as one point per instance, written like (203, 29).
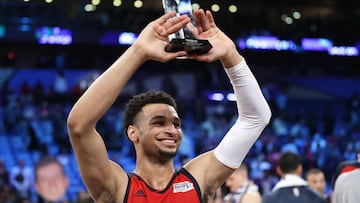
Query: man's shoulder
(286, 194)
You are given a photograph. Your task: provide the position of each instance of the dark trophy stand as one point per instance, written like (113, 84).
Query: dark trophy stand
(184, 40)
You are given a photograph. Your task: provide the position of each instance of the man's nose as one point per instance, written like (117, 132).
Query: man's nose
(171, 128)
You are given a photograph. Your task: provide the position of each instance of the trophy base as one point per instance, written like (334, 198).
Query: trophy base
(191, 46)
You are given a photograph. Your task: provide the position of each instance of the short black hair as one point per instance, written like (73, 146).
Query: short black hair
(289, 162)
(136, 103)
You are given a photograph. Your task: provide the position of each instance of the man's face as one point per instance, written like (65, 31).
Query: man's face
(51, 184)
(235, 181)
(159, 126)
(317, 182)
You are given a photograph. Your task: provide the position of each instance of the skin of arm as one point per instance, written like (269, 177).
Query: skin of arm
(105, 180)
(206, 168)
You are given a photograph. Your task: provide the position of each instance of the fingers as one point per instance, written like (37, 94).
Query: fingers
(165, 17)
(203, 20)
(175, 24)
(198, 15)
(169, 24)
(193, 30)
(210, 19)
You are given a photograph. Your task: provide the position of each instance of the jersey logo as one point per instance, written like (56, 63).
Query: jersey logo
(140, 193)
(182, 187)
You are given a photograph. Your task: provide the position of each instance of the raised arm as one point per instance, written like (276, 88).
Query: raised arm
(212, 169)
(104, 179)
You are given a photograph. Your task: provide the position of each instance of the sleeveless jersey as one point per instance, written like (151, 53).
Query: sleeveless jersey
(182, 188)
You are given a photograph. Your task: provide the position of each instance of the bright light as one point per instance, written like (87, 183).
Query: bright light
(288, 20)
(127, 38)
(215, 7)
(216, 96)
(117, 3)
(233, 9)
(138, 4)
(343, 51)
(89, 7)
(231, 97)
(48, 1)
(296, 15)
(95, 2)
(195, 6)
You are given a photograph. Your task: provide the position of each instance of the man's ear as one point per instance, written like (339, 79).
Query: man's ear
(278, 171)
(132, 133)
(299, 170)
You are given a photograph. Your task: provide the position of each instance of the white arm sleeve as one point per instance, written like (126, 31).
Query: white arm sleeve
(254, 115)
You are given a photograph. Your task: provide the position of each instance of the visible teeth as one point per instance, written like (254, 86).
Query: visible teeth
(169, 141)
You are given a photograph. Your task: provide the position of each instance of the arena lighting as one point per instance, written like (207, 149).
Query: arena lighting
(2, 31)
(118, 38)
(195, 6)
(296, 15)
(216, 96)
(316, 44)
(231, 97)
(95, 2)
(89, 7)
(53, 35)
(233, 9)
(266, 43)
(221, 96)
(138, 3)
(127, 38)
(215, 7)
(343, 51)
(117, 3)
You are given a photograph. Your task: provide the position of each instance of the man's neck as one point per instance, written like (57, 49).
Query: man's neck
(156, 175)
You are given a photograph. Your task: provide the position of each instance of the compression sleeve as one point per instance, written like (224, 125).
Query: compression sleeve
(253, 116)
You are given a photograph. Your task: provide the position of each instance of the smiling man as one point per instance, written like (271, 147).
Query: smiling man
(152, 124)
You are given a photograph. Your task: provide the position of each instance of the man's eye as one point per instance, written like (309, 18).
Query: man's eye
(159, 123)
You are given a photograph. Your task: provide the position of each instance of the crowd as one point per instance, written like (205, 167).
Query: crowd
(322, 137)
(299, 139)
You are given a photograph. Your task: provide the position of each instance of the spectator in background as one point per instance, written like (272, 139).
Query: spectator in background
(316, 180)
(60, 84)
(347, 188)
(21, 179)
(242, 189)
(51, 182)
(4, 174)
(291, 187)
(7, 194)
(347, 166)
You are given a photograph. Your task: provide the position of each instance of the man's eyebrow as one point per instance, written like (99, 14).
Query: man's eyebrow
(158, 117)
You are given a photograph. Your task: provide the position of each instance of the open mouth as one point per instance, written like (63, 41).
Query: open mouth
(168, 143)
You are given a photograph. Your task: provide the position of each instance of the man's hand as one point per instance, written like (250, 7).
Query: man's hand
(224, 48)
(155, 36)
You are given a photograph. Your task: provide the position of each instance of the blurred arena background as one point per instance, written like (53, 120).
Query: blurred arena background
(304, 53)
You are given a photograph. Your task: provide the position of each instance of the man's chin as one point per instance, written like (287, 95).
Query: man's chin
(168, 154)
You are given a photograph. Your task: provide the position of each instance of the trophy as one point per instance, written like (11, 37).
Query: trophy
(184, 40)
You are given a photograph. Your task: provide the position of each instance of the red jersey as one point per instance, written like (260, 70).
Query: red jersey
(182, 188)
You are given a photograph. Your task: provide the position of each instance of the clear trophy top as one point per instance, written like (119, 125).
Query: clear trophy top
(181, 7)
